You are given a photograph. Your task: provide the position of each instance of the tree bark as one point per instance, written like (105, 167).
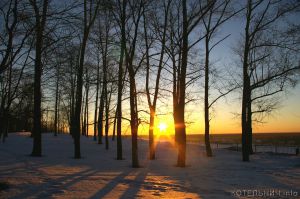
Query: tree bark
(181, 133)
(87, 88)
(5, 107)
(246, 88)
(151, 135)
(120, 81)
(40, 25)
(108, 98)
(133, 120)
(76, 120)
(100, 115)
(206, 103)
(250, 127)
(72, 101)
(83, 119)
(56, 103)
(114, 128)
(78, 103)
(96, 102)
(180, 126)
(152, 105)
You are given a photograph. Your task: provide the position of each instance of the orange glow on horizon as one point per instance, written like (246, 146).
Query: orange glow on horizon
(224, 120)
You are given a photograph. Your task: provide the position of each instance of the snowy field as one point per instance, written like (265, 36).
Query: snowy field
(99, 175)
(258, 148)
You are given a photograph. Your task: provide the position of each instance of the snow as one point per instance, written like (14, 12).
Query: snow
(99, 175)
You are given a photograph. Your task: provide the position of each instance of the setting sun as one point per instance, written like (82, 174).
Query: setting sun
(162, 126)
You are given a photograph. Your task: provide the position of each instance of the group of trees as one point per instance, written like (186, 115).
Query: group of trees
(106, 53)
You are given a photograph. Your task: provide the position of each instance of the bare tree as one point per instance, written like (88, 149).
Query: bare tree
(85, 130)
(40, 23)
(15, 49)
(121, 20)
(91, 9)
(152, 103)
(135, 9)
(10, 81)
(268, 65)
(104, 42)
(182, 26)
(14, 18)
(100, 114)
(97, 96)
(218, 14)
(56, 109)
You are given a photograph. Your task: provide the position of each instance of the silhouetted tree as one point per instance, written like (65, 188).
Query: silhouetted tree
(120, 17)
(91, 9)
(56, 106)
(268, 62)
(219, 13)
(97, 97)
(40, 23)
(135, 11)
(152, 103)
(14, 32)
(179, 48)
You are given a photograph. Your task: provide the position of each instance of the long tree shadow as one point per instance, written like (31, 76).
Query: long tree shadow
(131, 191)
(135, 185)
(54, 186)
(204, 177)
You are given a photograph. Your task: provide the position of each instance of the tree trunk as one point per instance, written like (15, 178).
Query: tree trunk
(151, 135)
(107, 99)
(114, 128)
(174, 95)
(6, 126)
(59, 129)
(250, 128)
(100, 115)
(5, 107)
(76, 121)
(119, 128)
(120, 82)
(96, 102)
(1, 119)
(72, 102)
(77, 146)
(37, 131)
(133, 120)
(152, 105)
(56, 103)
(180, 107)
(37, 137)
(245, 120)
(77, 113)
(246, 88)
(206, 103)
(83, 119)
(87, 105)
(180, 129)
(3, 124)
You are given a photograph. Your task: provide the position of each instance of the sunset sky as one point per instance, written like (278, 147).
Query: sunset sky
(285, 119)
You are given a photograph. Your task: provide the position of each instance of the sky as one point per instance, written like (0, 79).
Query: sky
(224, 120)
(285, 119)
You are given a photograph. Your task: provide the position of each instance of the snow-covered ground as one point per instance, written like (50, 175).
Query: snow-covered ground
(258, 148)
(99, 175)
